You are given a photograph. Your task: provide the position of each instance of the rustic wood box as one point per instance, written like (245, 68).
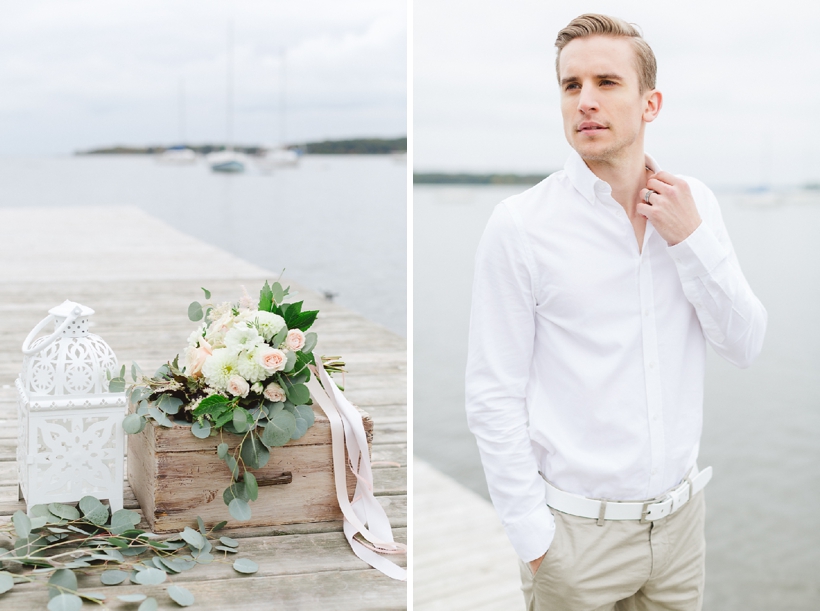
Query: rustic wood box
(177, 477)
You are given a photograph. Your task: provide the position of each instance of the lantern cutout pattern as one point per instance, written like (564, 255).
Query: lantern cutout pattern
(70, 427)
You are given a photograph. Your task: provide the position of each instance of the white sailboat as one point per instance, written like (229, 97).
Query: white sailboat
(280, 156)
(179, 154)
(228, 160)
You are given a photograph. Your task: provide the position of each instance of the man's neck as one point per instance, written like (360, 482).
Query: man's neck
(626, 175)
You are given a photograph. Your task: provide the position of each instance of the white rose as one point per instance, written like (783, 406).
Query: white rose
(195, 357)
(295, 340)
(271, 359)
(274, 393)
(238, 386)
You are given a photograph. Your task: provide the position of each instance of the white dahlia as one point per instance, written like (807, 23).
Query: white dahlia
(242, 337)
(249, 366)
(219, 367)
(269, 324)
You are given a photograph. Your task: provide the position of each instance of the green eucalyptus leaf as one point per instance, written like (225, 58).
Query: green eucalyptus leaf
(151, 576)
(279, 337)
(241, 419)
(123, 520)
(133, 424)
(206, 291)
(310, 342)
(225, 548)
(65, 578)
(253, 452)
(201, 431)
(193, 538)
(132, 598)
(169, 404)
(181, 596)
(232, 465)
(160, 417)
(278, 292)
(237, 490)
(290, 362)
(298, 394)
(279, 429)
(149, 604)
(116, 385)
(239, 509)
(64, 511)
(222, 450)
(229, 542)
(38, 522)
(22, 524)
(204, 558)
(6, 582)
(244, 565)
(201, 525)
(195, 313)
(65, 602)
(250, 484)
(219, 526)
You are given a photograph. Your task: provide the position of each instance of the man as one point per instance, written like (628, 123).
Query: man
(595, 294)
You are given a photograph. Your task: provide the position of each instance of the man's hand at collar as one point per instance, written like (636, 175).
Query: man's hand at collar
(671, 208)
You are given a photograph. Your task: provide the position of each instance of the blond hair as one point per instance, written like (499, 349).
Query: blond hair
(592, 24)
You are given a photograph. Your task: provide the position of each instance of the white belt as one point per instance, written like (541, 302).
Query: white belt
(653, 509)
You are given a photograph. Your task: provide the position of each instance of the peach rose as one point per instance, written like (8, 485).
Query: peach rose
(295, 340)
(238, 386)
(271, 359)
(195, 358)
(274, 393)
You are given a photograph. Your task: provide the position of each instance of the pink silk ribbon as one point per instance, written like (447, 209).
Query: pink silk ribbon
(366, 525)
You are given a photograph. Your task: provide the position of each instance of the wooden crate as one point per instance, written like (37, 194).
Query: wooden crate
(177, 477)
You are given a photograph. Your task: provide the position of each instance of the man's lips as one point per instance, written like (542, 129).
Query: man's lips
(588, 127)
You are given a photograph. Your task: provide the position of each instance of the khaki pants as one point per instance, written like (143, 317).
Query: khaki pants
(622, 565)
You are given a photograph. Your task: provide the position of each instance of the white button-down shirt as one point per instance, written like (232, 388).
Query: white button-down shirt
(587, 354)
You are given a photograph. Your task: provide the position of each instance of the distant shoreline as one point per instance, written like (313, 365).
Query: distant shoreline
(355, 146)
(477, 179)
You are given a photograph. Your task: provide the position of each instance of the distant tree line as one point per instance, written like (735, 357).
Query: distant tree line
(478, 179)
(357, 146)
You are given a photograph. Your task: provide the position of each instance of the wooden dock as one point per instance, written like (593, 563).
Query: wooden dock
(462, 560)
(140, 275)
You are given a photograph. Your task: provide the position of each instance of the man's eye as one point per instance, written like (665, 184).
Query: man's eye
(572, 86)
(607, 82)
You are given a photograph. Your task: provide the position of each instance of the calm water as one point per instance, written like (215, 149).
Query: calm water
(336, 223)
(761, 425)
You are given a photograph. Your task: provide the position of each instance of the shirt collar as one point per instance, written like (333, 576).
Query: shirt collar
(586, 183)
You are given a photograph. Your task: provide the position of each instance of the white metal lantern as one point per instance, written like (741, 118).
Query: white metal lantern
(70, 427)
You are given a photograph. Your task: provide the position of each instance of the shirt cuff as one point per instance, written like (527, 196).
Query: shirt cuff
(699, 254)
(532, 536)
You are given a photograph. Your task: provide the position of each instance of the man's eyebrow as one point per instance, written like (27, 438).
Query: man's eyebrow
(575, 79)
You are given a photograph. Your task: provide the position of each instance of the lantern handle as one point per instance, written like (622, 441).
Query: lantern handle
(28, 350)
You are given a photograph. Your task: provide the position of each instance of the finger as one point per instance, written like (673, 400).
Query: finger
(666, 177)
(642, 196)
(659, 186)
(645, 210)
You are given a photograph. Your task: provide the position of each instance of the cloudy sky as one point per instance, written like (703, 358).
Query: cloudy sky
(740, 80)
(83, 73)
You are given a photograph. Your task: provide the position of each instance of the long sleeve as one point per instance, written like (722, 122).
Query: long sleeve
(501, 339)
(732, 317)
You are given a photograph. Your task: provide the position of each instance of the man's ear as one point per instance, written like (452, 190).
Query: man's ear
(653, 101)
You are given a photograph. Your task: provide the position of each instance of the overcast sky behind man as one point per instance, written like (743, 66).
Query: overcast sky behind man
(741, 96)
(91, 73)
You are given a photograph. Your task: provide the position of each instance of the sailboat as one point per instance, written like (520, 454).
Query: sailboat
(179, 154)
(228, 160)
(280, 156)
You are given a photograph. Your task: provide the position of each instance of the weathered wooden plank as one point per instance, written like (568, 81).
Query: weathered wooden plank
(360, 590)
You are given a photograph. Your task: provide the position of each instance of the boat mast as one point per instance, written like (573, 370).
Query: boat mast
(282, 99)
(229, 102)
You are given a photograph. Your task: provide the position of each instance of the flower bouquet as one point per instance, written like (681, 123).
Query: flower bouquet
(243, 372)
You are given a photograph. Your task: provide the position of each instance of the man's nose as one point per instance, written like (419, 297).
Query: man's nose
(587, 101)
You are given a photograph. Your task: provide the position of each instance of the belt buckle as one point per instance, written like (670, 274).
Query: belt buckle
(645, 511)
